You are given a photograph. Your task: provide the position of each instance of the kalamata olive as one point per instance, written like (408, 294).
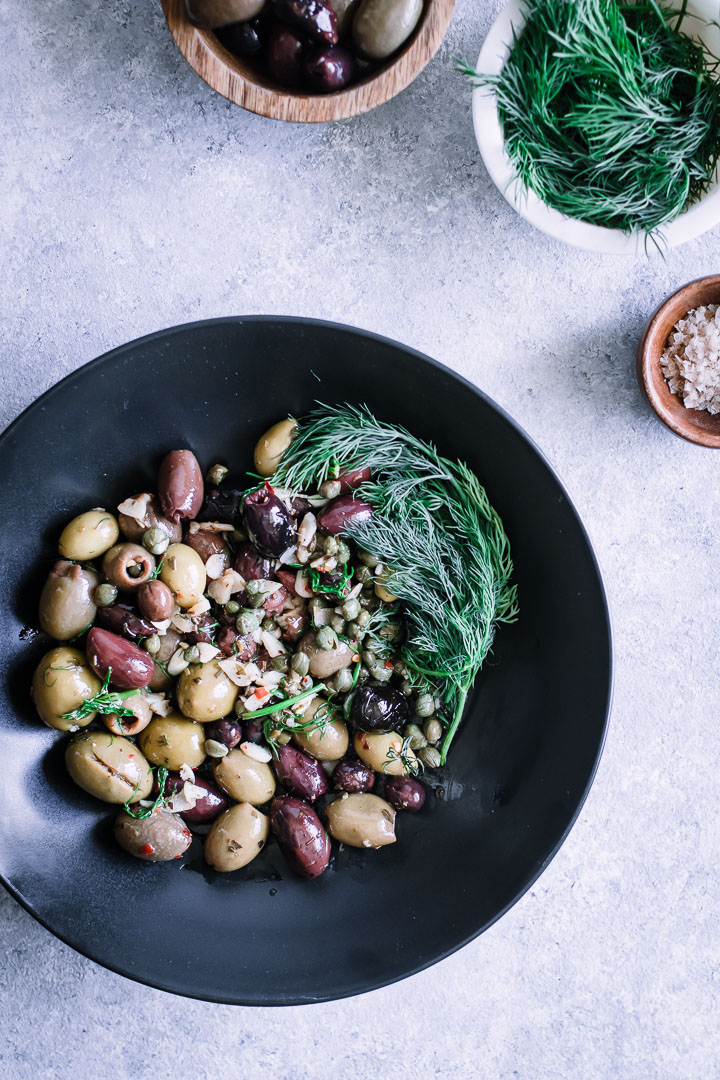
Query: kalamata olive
(226, 731)
(236, 838)
(127, 566)
(285, 55)
(153, 518)
(253, 731)
(287, 577)
(88, 536)
(362, 820)
(157, 838)
(300, 836)
(348, 481)
(124, 620)
(61, 683)
(180, 485)
(131, 667)
(244, 38)
(207, 808)
(269, 523)
(404, 793)
(299, 773)
(66, 602)
(271, 446)
(313, 17)
(300, 506)
(226, 639)
(212, 14)
(155, 601)
(206, 626)
(341, 512)
(329, 68)
(251, 565)
(381, 26)
(295, 624)
(223, 504)
(276, 601)
(207, 544)
(109, 767)
(353, 776)
(379, 708)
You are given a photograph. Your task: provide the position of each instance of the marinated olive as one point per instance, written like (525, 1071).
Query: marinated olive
(88, 536)
(153, 518)
(300, 836)
(157, 838)
(183, 571)
(130, 725)
(66, 602)
(155, 601)
(227, 732)
(236, 838)
(329, 68)
(341, 512)
(353, 776)
(208, 806)
(362, 821)
(325, 662)
(404, 793)
(244, 778)
(207, 544)
(312, 17)
(212, 14)
(328, 741)
(379, 708)
(131, 667)
(251, 565)
(271, 446)
(204, 692)
(61, 683)
(173, 741)
(300, 773)
(180, 485)
(109, 767)
(244, 39)
(350, 480)
(269, 522)
(128, 566)
(381, 751)
(123, 619)
(381, 26)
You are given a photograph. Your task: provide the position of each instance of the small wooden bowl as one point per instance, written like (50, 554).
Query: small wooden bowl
(238, 81)
(697, 425)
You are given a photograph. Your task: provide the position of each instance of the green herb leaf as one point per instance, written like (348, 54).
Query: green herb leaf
(104, 702)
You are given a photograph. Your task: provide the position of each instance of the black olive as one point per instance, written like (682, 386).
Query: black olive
(379, 708)
(223, 504)
(269, 523)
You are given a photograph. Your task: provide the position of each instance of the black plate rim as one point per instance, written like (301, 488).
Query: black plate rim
(470, 387)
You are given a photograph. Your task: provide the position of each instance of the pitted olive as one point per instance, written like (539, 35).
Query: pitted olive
(127, 566)
(88, 536)
(183, 571)
(173, 741)
(109, 767)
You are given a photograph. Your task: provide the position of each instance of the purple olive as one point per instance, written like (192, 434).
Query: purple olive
(269, 523)
(300, 835)
(124, 620)
(299, 773)
(353, 776)
(250, 564)
(341, 512)
(350, 480)
(379, 708)
(404, 793)
(131, 667)
(228, 732)
(244, 38)
(207, 544)
(180, 485)
(313, 17)
(329, 68)
(207, 808)
(205, 629)
(155, 601)
(285, 55)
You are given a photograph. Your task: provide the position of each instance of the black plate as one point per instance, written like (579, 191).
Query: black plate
(519, 770)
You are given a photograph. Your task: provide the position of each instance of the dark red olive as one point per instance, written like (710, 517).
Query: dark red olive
(295, 625)
(276, 601)
(300, 835)
(253, 731)
(226, 639)
(329, 68)
(300, 506)
(269, 522)
(299, 773)
(287, 577)
(207, 808)
(379, 708)
(250, 564)
(353, 776)
(131, 667)
(244, 38)
(206, 627)
(404, 793)
(223, 504)
(207, 543)
(352, 479)
(313, 17)
(180, 485)
(285, 55)
(228, 732)
(341, 512)
(123, 619)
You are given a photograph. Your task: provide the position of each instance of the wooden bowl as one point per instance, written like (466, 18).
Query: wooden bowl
(697, 425)
(241, 83)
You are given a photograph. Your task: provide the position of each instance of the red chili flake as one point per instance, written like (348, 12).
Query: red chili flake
(131, 755)
(388, 664)
(366, 746)
(261, 692)
(147, 850)
(269, 487)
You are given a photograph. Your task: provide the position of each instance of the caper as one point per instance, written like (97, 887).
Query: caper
(363, 675)
(430, 757)
(300, 663)
(153, 644)
(326, 638)
(329, 544)
(425, 705)
(342, 681)
(330, 489)
(415, 735)
(232, 607)
(280, 663)
(399, 668)
(216, 474)
(351, 609)
(316, 603)
(433, 730)
(353, 631)
(240, 709)
(104, 595)
(268, 624)
(364, 575)
(381, 673)
(342, 555)
(247, 622)
(407, 687)
(338, 624)
(192, 654)
(155, 541)
(363, 618)
(369, 657)
(368, 559)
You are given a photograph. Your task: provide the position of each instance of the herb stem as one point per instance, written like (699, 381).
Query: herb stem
(284, 704)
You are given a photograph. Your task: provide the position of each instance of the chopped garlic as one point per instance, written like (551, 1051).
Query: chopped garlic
(159, 704)
(258, 753)
(186, 772)
(215, 565)
(223, 587)
(199, 608)
(271, 643)
(177, 662)
(183, 623)
(207, 652)
(209, 526)
(302, 585)
(307, 530)
(161, 625)
(239, 672)
(136, 508)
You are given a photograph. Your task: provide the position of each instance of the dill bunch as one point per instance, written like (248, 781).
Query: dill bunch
(434, 527)
(610, 113)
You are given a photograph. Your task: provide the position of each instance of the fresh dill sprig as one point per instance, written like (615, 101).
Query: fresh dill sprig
(434, 527)
(610, 113)
(104, 702)
(319, 583)
(413, 765)
(318, 722)
(160, 798)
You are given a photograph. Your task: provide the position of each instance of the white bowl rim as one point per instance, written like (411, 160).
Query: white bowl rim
(703, 215)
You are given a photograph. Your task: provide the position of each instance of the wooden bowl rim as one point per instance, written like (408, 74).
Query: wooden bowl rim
(666, 405)
(228, 76)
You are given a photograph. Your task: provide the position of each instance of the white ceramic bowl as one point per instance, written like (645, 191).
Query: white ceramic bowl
(702, 216)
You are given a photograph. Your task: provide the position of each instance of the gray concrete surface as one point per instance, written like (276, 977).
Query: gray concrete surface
(134, 198)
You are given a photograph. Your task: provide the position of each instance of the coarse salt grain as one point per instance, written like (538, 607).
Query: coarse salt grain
(691, 359)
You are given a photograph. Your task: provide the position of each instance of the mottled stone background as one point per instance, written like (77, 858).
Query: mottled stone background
(133, 198)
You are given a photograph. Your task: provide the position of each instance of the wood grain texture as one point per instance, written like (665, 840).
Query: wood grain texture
(696, 425)
(239, 82)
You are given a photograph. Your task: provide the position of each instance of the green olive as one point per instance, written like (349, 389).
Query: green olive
(236, 837)
(109, 767)
(325, 662)
(213, 14)
(362, 820)
(271, 446)
(157, 838)
(173, 741)
(88, 536)
(327, 742)
(381, 26)
(379, 750)
(183, 571)
(62, 681)
(66, 603)
(244, 778)
(205, 693)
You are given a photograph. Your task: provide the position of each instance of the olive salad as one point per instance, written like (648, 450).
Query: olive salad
(316, 45)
